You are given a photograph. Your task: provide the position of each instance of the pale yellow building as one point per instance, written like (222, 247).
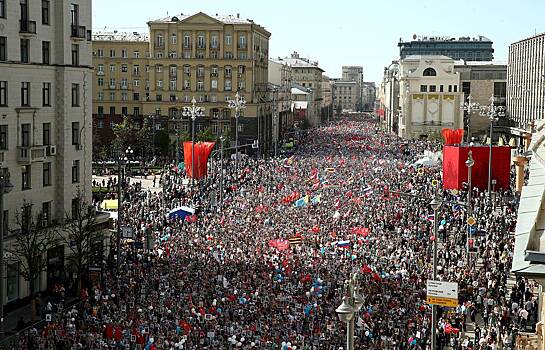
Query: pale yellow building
(208, 58)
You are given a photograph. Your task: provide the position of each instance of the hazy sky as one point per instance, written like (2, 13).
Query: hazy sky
(355, 32)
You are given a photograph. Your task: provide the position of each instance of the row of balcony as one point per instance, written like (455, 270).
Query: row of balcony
(199, 47)
(77, 32)
(30, 154)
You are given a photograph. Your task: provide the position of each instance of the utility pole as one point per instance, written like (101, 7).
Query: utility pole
(469, 162)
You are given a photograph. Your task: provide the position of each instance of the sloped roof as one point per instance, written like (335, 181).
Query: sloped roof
(120, 36)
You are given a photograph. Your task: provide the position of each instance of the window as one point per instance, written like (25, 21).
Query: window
(25, 94)
(100, 52)
(200, 85)
(455, 88)
(200, 71)
(136, 111)
(46, 134)
(3, 137)
(112, 83)
(173, 71)
(159, 97)
(136, 82)
(46, 214)
(201, 42)
(432, 88)
(159, 84)
(12, 271)
(173, 39)
(46, 174)
(124, 68)
(159, 42)
(242, 55)
(45, 12)
(214, 84)
(187, 84)
(187, 40)
(241, 69)
(112, 110)
(441, 88)
(45, 52)
(3, 48)
(74, 12)
(25, 50)
(75, 171)
(75, 208)
(136, 70)
(187, 70)
(214, 41)
(112, 53)
(423, 88)
(25, 176)
(124, 53)
(227, 86)
(187, 54)
(75, 133)
(112, 68)
(124, 111)
(75, 55)
(228, 55)
(136, 54)
(227, 71)
(228, 39)
(124, 83)
(159, 68)
(172, 85)
(100, 111)
(136, 96)
(3, 93)
(124, 97)
(242, 41)
(241, 84)
(46, 94)
(450, 88)
(75, 95)
(429, 72)
(3, 13)
(100, 81)
(25, 135)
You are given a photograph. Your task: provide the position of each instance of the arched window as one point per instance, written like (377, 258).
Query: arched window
(429, 72)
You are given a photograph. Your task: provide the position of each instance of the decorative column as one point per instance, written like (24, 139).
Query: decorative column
(520, 163)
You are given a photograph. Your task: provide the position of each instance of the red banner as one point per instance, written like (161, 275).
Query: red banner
(202, 152)
(453, 137)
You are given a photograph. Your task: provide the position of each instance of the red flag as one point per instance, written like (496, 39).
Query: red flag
(185, 326)
(366, 269)
(191, 218)
(376, 277)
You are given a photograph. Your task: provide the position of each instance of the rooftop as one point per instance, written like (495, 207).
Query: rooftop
(299, 62)
(227, 19)
(120, 36)
(529, 38)
(422, 38)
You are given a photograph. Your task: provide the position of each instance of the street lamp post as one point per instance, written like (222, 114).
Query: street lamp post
(352, 303)
(237, 104)
(192, 112)
(435, 205)
(469, 107)
(469, 162)
(492, 112)
(120, 179)
(5, 187)
(222, 139)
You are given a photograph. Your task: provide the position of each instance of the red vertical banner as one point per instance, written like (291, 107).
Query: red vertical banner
(202, 152)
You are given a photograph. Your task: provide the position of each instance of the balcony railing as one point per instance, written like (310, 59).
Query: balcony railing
(27, 26)
(78, 32)
(31, 154)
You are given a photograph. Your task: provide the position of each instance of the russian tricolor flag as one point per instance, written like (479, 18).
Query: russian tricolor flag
(343, 244)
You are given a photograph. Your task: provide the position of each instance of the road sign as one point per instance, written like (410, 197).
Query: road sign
(471, 221)
(442, 302)
(442, 293)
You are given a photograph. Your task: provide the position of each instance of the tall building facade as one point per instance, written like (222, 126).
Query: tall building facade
(208, 58)
(347, 95)
(280, 76)
(355, 73)
(463, 48)
(429, 97)
(45, 120)
(308, 74)
(526, 80)
(369, 96)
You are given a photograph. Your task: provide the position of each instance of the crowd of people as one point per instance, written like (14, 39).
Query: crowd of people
(265, 269)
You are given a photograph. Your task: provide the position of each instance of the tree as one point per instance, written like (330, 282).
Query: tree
(205, 135)
(31, 241)
(125, 134)
(144, 138)
(162, 142)
(79, 232)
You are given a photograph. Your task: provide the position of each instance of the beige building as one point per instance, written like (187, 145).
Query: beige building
(45, 124)
(430, 96)
(346, 95)
(481, 81)
(308, 74)
(526, 81)
(208, 58)
(369, 96)
(327, 98)
(355, 73)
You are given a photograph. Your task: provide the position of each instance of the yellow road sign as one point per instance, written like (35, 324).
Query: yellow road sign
(471, 221)
(447, 302)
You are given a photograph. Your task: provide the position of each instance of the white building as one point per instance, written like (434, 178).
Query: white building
(430, 96)
(526, 80)
(45, 117)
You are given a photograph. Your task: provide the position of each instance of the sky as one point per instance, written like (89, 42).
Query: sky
(346, 32)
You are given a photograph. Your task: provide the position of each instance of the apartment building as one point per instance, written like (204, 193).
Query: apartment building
(347, 95)
(308, 74)
(429, 97)
(281, 76)
(369, 96)
(199, 56)
(45, 122)
(526, 81)
(355, 73)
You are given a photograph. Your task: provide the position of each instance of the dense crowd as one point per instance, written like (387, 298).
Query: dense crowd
(231, 279)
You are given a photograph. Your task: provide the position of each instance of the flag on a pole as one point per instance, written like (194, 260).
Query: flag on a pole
(343, 244)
